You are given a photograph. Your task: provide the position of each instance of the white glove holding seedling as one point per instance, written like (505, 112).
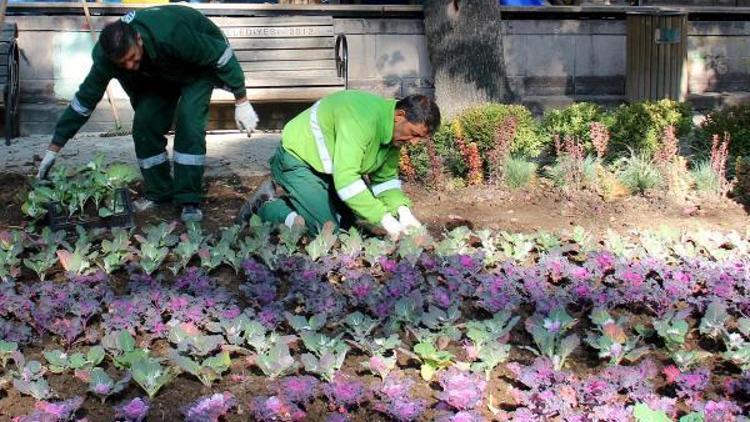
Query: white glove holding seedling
(392, 226)
(406, 218)
(245, 117)
(47, 162)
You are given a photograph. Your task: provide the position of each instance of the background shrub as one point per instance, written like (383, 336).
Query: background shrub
(575, 121)
(742, 179)
(734, 120)
(639, 127)
(479, 124)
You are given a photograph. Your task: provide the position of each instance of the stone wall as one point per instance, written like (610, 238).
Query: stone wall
(387, 56)
(552, 60)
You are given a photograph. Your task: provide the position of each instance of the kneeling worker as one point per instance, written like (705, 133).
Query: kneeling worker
(339, 160)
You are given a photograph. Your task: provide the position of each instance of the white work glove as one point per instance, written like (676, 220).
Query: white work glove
(47, 162)
(245, 117)
(406, 218)
(392, 226)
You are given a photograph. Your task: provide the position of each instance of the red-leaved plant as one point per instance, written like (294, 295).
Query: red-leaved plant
(406, 166)
(667, 151)
(599, 135)
(436, 167)
(503, 140)
(719, 156)
(474, 160)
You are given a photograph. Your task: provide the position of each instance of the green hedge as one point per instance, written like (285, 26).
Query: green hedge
(480, 123)
(639, 127)
(635, 127)
(734, 120)
(575, 121)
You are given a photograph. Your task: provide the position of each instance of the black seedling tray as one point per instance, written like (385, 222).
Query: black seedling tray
(122, 217)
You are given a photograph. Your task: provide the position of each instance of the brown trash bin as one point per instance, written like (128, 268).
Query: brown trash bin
(656, 55)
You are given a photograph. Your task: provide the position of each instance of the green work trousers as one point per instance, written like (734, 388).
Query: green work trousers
(309, 194)
(156, 106)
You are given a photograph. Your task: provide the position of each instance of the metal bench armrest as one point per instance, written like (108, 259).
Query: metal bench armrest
(342, 59)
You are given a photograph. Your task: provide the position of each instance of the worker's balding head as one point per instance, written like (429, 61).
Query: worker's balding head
(416, 117)
(122, 45)
(421, 109)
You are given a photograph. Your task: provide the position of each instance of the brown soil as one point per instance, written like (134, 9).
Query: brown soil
(13, 190)
(547, 209)
(543, 208)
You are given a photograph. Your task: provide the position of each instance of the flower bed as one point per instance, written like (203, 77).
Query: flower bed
(473, 326)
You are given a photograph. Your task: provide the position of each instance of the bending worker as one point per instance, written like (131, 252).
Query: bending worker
(168, 59)
(339, 160)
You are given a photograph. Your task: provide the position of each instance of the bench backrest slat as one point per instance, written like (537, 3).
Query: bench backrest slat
(284, 58)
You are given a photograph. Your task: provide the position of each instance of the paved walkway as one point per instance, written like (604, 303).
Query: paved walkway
(229, 153)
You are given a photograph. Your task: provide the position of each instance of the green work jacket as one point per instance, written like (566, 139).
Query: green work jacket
(180, 46)
(348, 135)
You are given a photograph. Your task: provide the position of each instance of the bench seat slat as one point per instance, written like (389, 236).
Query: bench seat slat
(266, 55)
(292, 82)
(293, 73)
(288, 65)
(296, 94)
(281, 43)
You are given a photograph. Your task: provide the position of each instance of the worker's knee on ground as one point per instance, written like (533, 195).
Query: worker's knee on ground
(275, 211)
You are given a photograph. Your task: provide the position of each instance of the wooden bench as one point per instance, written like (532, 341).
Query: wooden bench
(286, 58)
(9, 79)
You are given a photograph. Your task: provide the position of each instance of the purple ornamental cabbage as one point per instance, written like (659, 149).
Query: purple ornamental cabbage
(738, 387)
(195, 281)
(441, 297)
(257, 272)
(612, 413)
(692, 385)
(210, 408)
(271, 315)
(402, 409)
(134, 410)
(262, 293)
(276, 408)
(396, 401)
(337, 417)
(344, 392)
(597, 397)
(360, 288)
(60, 411)
(388, 265)
(395, 386)
(299, 389)
(470, 416)
(96, 277)
(723, 410)
(461, 390)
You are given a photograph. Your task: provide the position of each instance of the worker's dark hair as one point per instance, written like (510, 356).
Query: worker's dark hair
(116, 39)
(421, 109)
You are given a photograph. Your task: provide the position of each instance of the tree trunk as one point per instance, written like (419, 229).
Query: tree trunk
(466, 52)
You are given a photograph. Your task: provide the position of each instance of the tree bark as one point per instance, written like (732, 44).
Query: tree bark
(466, 51)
